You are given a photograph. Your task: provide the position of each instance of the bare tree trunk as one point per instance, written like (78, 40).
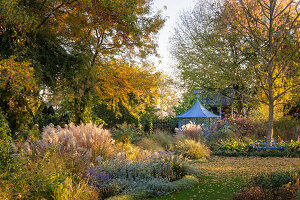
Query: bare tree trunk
(270, 70)
(271, 119)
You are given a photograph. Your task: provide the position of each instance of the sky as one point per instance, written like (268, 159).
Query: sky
(173, 11)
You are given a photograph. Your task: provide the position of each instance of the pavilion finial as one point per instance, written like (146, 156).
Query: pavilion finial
(197, 92)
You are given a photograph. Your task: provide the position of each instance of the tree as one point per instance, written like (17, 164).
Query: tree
(101, 32)
(18, 92)
(207, 58)
(70, 42)
(270, 31)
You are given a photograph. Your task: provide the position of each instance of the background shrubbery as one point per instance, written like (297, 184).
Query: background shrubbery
(273, 186)
(236, 147)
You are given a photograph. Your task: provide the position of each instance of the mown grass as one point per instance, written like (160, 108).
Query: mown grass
(223, 176)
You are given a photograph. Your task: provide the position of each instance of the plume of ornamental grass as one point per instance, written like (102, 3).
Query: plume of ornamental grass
(192, 131)
(192, 149)
(87, 141)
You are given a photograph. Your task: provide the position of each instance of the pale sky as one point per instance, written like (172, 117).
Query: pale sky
(174, 9)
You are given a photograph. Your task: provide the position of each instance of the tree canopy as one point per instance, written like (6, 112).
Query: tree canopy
(80, 53)
(249, 46)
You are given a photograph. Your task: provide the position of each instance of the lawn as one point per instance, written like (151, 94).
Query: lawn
(223, 176)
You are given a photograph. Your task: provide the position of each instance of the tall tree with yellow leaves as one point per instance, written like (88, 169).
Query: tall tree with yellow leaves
(270, 32)
(71, 41)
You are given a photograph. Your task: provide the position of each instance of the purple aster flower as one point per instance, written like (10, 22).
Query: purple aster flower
(159, 152)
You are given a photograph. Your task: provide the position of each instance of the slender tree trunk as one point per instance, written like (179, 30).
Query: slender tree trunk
(78, 110)
(270, 71)
(271, 119)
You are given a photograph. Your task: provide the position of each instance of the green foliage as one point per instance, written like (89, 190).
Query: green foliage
(6, 159)
(113, 117)
(233, 147)
(44, 178)
(287, 127)
(127, 133)
(293, 148)
(213, 139)
(75, 58)
(18, 92)
(229, 146)
(187, 102)
(276, 185)
(173, 123)
(213, 68)
(164, 139)
(148, 143)
(147, 119)
(179, 170)
(155, 177)
(184, 183)
(275, 179)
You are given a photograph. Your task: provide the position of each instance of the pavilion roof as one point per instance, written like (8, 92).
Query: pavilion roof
(198, 110)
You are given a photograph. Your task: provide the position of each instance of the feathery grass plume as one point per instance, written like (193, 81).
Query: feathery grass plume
(192, 131)
(192, 149)
(86, 141)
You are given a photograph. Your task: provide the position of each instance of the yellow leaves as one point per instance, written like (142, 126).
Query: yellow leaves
(17, 76)
(133, 86)
(18, 90)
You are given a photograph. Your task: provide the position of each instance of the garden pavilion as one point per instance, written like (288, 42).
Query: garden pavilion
(198, 115)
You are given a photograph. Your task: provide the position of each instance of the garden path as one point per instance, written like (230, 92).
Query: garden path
(223, 176)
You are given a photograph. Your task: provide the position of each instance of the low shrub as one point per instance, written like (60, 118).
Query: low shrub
(44, 178)
(223, 133)
(243, 126)
(148, 143)
(293, 148)
(127, 133)
(184, 183)
(244, 148)
(130, 152)
(287, 127)
(164, 140)
(191, 149)
(230, 146)
(152, 176)
(67, 190)
(275, 179)
(274, 186)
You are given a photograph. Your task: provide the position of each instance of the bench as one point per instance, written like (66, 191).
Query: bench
(268, 143)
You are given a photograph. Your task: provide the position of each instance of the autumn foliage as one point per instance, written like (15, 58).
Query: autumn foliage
(18, 89)
(82, 53)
